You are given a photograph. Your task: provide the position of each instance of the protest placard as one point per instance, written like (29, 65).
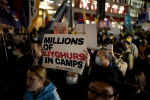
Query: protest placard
(115, 30)
(90, 29)
(64, 51)
(60, 28)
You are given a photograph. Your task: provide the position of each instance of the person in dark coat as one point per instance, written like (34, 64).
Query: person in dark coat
(134, 86)
(21, 68)
(144, 66)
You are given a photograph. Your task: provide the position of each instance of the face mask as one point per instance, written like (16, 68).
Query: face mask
(130, 89)
(99, 48)
(108, 32)
(110, 37)
(100, 33)
(35, 38)
(117, 56)
(148, 56)
(92, 51)
(124, 48)
(71, 80)
(134, 37)
(14, 53)
(140, 40)
(105, 47)
(98, 61)
(9, 47)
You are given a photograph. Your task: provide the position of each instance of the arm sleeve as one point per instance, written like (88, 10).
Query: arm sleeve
(122, 66)
(130, 60)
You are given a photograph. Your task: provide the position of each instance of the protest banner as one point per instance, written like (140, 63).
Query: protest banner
(90, 29)
(115, 30)
(64, 51)
(60, 28)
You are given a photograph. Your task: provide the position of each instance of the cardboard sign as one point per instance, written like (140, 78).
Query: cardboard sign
(60, 28)
(90, 29)
(64, 51)
(114, 30)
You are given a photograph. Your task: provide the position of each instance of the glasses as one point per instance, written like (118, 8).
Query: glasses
(99, 55)
(93, 95)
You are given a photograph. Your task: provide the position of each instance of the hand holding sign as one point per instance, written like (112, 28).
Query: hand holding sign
(87, 57)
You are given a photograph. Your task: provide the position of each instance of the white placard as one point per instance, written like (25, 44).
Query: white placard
(64, 51)
(60, 28)
(115, 30)
(90, 29)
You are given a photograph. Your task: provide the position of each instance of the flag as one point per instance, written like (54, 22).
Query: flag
(97, 19)
(19, 12)
(31, 9)
(47, 18)
(127, 21)
(144, 16)
(8, 15)
(82, 18)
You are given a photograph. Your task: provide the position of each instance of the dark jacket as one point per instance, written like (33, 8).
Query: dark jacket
(143, 95)
(144, 66)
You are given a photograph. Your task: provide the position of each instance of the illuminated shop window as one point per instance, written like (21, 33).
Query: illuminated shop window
(86, 4)
(121, 10)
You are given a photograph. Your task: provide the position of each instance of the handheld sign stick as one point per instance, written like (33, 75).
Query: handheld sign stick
(83, 29)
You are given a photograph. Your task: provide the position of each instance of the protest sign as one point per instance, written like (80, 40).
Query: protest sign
(115, 30)
(64, 51)
(90, 29)
(60, 28)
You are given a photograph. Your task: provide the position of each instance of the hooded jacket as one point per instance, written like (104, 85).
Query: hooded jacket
(48, 93)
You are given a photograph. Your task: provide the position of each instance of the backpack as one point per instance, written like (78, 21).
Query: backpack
(135, 59)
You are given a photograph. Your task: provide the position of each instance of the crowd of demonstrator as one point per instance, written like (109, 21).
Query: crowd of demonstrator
(118, 73)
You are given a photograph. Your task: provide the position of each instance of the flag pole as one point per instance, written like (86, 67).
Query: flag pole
(83, 29)
(5, 47)
(25, 20)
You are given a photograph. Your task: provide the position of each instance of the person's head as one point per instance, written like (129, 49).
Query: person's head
(9, 37)
(129, 37)
(35, 38)
(17, 39)
(134, 81)
(106, 43)
(104, 84)
(122, 40)
(37, 48)
(135, 37)
(118, 52)
(126, 44)
(104, 36)
(111, 36)
(103, 57)
(147, 54)
(19, 49)
(72, 78)
(6, 31)
(144, 41)
(36, 78)
(99, 46)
